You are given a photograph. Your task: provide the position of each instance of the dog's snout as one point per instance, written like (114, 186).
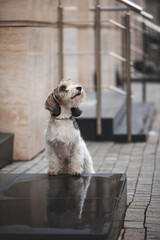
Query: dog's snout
(79, 88)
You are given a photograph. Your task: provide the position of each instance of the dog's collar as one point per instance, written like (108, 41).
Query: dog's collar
(70, 118)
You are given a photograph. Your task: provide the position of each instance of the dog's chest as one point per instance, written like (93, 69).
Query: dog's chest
(64, 150)
(65, 139)
(65, 132)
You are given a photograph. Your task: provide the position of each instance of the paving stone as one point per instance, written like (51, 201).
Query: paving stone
(38, 168)
(44, 170)
(11, 166)
(155, 202)
(133, 167)
(153, 212)
(141, 198)
(155, 195)
(144, 186)
(152, 238)
(135, 230)
(131, 181)
(132, 224)
(133, 234)
(152, 234)
(154, 226)
(135, 215)
(143, 191)
(127, 149)
(131, 186)
(153, 220)
(139, 204)
(145, 180)
(27, 166)
(148, 174)
(131, 178)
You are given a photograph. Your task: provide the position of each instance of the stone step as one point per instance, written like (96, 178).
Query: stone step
(113, 118)
(150, 78)
(112, 110)
(142, 114)
(6, 148)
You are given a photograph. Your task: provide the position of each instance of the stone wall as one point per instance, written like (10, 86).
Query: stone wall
(27, 72)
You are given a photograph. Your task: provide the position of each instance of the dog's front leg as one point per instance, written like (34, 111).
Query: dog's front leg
(76, 161)
(88, 164)
(54, 162)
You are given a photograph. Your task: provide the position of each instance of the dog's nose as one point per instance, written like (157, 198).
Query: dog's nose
(79, 88)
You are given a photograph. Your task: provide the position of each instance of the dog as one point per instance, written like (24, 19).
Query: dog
(65, 149)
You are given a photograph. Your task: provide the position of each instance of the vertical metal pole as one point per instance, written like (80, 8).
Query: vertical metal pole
(123, 53)
(98, 66)
(144, 62)
(128, 86)
(60, 42)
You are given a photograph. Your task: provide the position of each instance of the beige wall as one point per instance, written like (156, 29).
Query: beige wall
(35, 10)
(27, 74)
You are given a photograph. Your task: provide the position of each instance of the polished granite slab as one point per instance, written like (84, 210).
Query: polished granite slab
(39, 206)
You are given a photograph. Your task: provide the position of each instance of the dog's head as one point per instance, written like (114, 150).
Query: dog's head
(68, 95)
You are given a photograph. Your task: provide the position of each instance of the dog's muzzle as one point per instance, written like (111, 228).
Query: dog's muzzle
(79, 92)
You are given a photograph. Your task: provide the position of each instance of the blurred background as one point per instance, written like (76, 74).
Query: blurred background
(30, 59)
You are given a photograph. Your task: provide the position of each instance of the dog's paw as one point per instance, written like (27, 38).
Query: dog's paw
(52, 172)
(76, 173)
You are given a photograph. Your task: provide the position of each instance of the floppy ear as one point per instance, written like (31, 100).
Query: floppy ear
(76, 112)
(52, 105)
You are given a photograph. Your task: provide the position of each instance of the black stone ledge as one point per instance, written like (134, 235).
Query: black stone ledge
(37, 206)
(6, 148)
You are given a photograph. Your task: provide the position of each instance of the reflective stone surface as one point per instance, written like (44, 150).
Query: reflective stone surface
(62, 207)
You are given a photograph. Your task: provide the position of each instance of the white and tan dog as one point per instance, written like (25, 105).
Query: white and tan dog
(65, 149)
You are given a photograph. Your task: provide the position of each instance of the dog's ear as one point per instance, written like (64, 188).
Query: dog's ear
(52, 105)
(76, 112)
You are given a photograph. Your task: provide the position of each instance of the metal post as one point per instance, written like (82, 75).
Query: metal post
(98, 66)
(123, 54)
(144, 62)
(60, 42)
(128, 84)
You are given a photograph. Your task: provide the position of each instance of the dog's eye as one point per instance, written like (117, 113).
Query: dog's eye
(62, 88)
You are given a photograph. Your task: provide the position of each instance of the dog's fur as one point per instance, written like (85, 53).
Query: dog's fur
(65, 149)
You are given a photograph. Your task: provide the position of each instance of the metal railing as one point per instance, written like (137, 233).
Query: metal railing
(98, 64)
(136, 8)
(60, 41)
(146, 25)
(125, 58)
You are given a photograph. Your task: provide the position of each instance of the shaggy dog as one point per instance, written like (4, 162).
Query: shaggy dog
(65, 149)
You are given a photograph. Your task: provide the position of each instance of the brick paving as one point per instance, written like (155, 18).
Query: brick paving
(141, 163)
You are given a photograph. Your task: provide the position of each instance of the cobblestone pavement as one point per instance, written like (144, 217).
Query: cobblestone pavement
(141, 163)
